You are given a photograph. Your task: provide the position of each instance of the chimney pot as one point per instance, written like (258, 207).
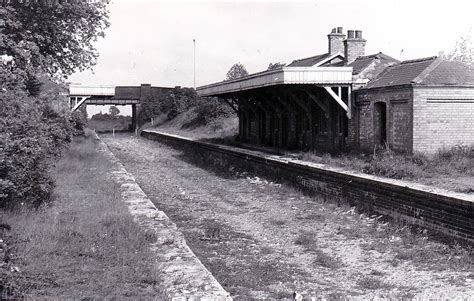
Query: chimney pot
(336, 41)
(354, 46)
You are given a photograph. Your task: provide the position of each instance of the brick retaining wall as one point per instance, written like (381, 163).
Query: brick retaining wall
(441, 210)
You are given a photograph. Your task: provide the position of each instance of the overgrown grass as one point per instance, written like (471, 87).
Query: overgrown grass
(85, 244)
(453, 163)
(402, 242)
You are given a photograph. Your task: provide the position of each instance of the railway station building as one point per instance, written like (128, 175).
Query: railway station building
(345, 99)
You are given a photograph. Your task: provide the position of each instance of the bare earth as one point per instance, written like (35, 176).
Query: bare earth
(265, 240)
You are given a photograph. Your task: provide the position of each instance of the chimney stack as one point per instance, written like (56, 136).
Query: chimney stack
(336, 38)
(354, 46)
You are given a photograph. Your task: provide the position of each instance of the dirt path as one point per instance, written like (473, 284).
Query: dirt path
(265, 240)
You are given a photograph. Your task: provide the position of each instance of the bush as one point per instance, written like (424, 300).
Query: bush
(31, 134)
(172, 103)
(78, 123)
(208, 109)
(102, 117)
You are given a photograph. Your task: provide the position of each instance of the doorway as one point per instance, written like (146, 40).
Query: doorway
(380, 123)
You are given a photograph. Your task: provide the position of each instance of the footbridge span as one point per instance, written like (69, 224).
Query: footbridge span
(80, 95)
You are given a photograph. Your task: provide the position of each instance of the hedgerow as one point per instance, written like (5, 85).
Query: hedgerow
(40, 45)
(32, 133)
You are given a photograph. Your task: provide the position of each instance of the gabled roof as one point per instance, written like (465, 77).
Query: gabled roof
(404, 73)
(309, 61)
(362, 62)
(316, 61)
(431, 71)
(449, 73)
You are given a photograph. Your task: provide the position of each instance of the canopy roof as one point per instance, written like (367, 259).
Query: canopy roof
(324, 76)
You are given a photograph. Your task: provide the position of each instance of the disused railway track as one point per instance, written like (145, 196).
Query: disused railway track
(272, 240)
(446, 212)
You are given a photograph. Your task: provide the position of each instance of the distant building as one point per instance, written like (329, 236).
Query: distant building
(345, 99)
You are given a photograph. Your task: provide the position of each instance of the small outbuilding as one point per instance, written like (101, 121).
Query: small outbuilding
(417, 106)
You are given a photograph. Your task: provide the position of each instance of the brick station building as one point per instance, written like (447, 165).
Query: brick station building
(345, 99)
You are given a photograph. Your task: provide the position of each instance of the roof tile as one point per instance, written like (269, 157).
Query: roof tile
(450, 73)
(401, 74)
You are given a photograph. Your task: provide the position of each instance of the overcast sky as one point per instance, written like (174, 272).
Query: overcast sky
(151, 41)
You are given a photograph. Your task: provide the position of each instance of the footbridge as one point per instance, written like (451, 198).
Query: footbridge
(80, 95)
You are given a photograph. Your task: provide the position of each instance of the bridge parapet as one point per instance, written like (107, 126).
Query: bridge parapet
(80, 90)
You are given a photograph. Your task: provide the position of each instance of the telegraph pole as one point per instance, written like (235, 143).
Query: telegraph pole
(194, 43)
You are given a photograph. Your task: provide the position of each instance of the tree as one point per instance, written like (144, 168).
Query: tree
(171, 103)
(49, 37)
(273, 66)
(114, 111)
(236, 71)
(464, 50)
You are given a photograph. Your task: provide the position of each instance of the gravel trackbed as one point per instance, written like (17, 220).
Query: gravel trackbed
(264, 240)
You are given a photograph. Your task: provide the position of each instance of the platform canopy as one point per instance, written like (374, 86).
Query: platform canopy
(321, 76)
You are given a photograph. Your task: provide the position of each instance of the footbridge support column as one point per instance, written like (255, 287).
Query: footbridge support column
(134, 117)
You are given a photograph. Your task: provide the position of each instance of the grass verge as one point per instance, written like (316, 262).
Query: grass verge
(85, 243)
(451, 168)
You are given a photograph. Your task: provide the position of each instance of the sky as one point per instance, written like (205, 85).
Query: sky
(151, 41)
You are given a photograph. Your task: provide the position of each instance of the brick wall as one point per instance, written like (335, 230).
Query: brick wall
(443, 117)
(401, 136)
(444, 212)
(398, 118)
(353, 131)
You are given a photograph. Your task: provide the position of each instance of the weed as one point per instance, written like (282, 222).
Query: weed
(151, 236)
(277, 222)
(314, 216)
(373, 283)
(305, 239)
(350, 232)
(377, 273)
(327, 261)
